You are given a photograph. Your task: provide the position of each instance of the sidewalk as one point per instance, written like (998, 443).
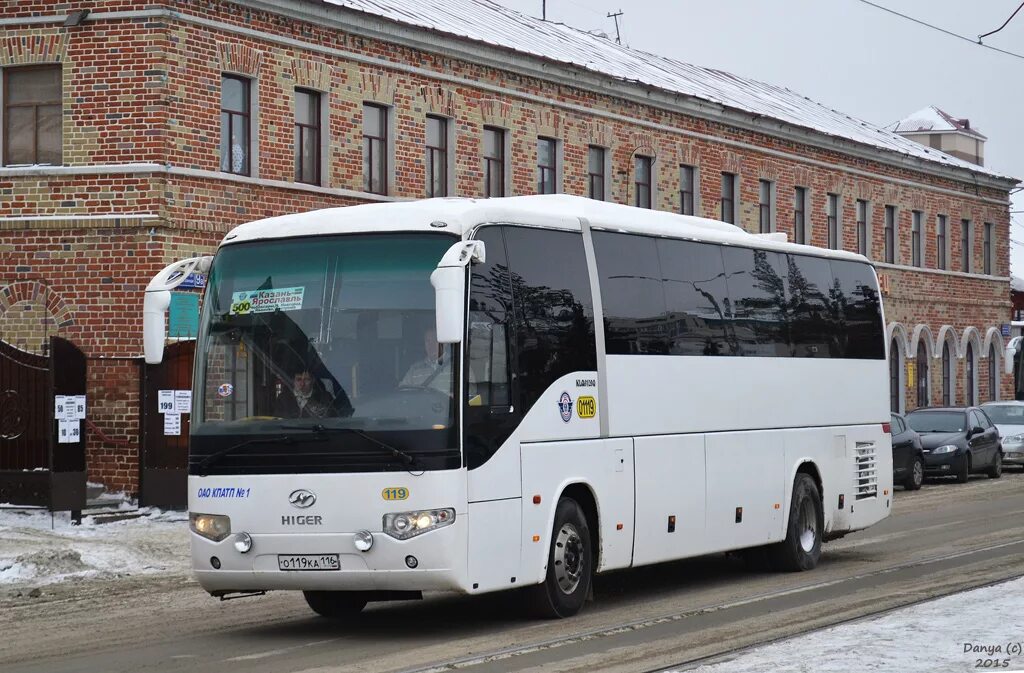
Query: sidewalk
(38, 549)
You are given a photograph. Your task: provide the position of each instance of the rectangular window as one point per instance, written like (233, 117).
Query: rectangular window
(765, 207)
(437, 156)
(915, 237)
(235, 115)
(642, 169)
(494, 161)
(890, 234)
(965, 246)
(547, 169)
(307, 136)
(800, 214)
(862, 227)
(832, 221)
(687, 185)
(987, 248)
(596, 172)
(631, 294)
(940, 241)
(375, 148)
(32, 115)
(728, 198)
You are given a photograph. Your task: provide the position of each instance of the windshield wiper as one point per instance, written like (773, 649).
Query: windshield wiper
(402, 456)
(214, 457)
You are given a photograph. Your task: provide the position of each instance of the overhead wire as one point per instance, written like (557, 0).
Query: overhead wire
(973, 41)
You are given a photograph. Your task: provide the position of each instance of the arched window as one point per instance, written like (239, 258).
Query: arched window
(895, 393)
(947, 375)
(970, 393)
(993, 374)
(922, 375)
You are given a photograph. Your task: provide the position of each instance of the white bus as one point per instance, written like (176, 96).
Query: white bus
(478, 395)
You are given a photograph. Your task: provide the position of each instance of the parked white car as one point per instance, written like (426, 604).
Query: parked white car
(1009, 419)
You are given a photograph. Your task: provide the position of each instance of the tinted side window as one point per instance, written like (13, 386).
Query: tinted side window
(488, 390)
(490, 309)
(695, 296)
(631, 294)
(975, 420)
(554, 318)
(757, 293)
(811, 329)
(858, 311)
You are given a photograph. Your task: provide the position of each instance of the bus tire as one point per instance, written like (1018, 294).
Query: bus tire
(570, 569)
(802, 547)
(338, 605)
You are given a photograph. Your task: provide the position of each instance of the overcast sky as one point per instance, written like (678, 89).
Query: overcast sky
(845, 54)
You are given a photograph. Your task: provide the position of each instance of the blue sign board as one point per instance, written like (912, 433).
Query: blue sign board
(183, 317)
(195, 280)
(1006, 329)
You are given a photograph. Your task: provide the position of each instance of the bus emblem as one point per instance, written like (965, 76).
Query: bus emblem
(586, 406)
(565, 407)
(302, 498)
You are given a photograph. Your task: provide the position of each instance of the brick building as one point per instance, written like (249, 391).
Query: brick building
(138, 133)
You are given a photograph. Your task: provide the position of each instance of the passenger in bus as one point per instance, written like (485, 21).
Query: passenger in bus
(434, 370)
(307, 398)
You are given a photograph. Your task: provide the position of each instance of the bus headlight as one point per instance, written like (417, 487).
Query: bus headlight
(214, 527)
(404, 525)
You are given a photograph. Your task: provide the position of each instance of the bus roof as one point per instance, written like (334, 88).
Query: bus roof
(557, 211)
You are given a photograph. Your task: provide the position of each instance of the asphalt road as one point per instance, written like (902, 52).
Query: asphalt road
(942, 539)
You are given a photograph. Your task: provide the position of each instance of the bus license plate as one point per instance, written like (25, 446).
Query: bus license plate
(308, 562)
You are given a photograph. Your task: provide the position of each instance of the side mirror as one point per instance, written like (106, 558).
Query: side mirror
(158, 299)
(973, 432)
(449, 281)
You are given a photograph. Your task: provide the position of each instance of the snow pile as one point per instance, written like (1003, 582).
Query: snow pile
(36, 549)
(948, 634)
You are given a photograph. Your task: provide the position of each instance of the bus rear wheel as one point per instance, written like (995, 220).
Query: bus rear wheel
(339, 605)
(802, 547)
(570, 566)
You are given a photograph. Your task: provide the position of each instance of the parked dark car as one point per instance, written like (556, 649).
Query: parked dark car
(957, 442)
(907, 454)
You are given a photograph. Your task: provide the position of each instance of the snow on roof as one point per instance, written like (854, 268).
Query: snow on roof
(487, 22)
(933, 120)
(1017, 283)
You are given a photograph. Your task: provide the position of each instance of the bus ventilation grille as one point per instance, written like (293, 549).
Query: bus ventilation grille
(867, 473)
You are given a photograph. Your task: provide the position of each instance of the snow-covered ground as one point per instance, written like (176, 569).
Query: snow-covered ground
(977, 630)
(36, 550)
(929, 637)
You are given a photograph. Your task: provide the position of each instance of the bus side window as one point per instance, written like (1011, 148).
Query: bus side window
(490, 305)
(554, 314)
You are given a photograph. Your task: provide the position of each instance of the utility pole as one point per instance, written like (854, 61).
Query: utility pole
(543, 10)
(616, 15)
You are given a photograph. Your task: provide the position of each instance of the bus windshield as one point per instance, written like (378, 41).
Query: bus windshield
(305, 336)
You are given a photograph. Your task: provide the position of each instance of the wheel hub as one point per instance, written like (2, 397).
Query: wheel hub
(807, 524)
(569, 558)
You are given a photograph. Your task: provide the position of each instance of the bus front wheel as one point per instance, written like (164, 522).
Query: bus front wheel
(335, 604)
(570, 566)
(802, 547)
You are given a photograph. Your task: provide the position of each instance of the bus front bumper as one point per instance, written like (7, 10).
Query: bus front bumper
(434, 561)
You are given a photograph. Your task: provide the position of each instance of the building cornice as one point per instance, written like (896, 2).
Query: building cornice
(358, 23)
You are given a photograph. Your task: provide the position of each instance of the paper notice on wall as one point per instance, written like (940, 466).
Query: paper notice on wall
(69, 432)
(79, 406)
(172, 424)
(182, 401)
(59, 404)
(165, 401)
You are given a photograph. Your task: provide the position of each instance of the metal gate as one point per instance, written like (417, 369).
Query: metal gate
(163, 464)
(37, 467)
